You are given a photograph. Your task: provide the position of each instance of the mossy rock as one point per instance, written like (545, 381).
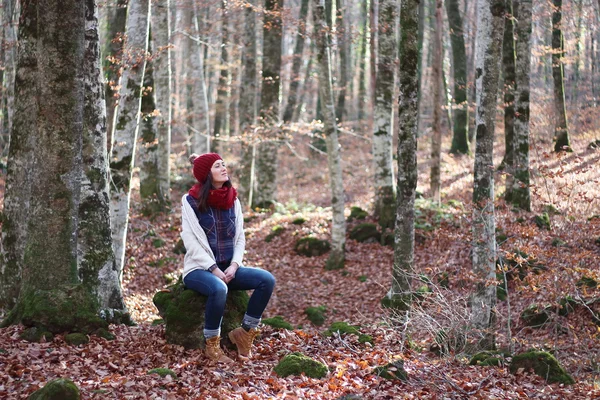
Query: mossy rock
(298, 221)
(362, 338)
(489, 359)
(312, 247)
(77, 338)
(278, 322)
(158, 321)
(275, 231)
(357, 213)
(587, 282)
(535, 316)
(104, 333)
(543, 221)
(350, 397)
(316, 315)
(594, 145)
(365, 233)
(162, 372)
(179, 247)
(393, 370)
(558, 242)
(183, 312)
(335, 261)
(550, 209)
(298, 364)
(35, 335)
(342, 328)
(543, 364)
(57, 389)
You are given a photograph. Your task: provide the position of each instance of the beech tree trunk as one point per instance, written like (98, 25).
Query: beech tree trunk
(490, 29)
(436, 137)
(508, 62)
(201, 138)
(561, 129)
(399, 295)
(9, 51)
(517, 185)
(297, 63)
(362, 61)
(221, 103)
(343, 41)
(385, 211)
(460, 137)
(323, 56)
(127, 122)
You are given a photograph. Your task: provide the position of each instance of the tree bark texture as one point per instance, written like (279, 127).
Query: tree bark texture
(9, 51)
(362, 61)
(460, 137)
(323, 57)
(517, 186)
(343, 41)
(408, 106)
(266, 163)
(508, 62)
(221, 103)
(436, 137)
(490, 29)
(385, 210)
(161, 38)
(201, 138)
(561, 129)
(297, 63)
(181, 54)
(96, 258)
(127, 122)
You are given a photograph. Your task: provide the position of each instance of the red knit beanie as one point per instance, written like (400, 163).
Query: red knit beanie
(203, 165)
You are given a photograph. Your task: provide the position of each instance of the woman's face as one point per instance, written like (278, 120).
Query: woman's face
(219, 174)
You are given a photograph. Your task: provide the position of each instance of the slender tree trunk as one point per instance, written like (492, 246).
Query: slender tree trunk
(306, 86)
(436, 137)
(323, 56)
(95, 252)
(127, 122)
(297, 63)
(490, 29)
(161, 38)
(574, 92)
(343, 41)
(508, 62)
(472, 74)
(221, 103)
(181, 54)
(399, 295)
(517, 186)
(9, 51)
(201, 138)
(460, 137)
(266, 163)
(362, 61)
(561, 129)
(248, 106)
(383, 124)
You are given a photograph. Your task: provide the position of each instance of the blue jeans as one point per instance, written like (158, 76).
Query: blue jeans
(246, 278)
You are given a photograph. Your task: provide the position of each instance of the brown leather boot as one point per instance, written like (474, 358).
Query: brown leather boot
(213, 351)
(243, 340)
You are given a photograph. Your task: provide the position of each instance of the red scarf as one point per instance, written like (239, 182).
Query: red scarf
(218, 198)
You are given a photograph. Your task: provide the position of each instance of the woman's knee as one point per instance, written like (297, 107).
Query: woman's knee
(269, 280)
(219, 291)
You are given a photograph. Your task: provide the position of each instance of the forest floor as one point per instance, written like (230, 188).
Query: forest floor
(558, 258)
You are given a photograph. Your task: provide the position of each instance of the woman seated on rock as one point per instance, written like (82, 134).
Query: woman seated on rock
(213, 235)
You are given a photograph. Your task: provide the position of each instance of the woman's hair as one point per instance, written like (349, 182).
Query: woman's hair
(205, 191)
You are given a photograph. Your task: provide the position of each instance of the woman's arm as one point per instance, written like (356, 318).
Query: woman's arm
(198, 253)
(240, 238)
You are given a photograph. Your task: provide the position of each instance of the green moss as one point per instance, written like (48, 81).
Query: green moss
(543, 221)
(535, 316)
(179, 247)
(566, 306)
(558, 242)
(335, 260)
(35, 335)
(448, 340)
(550, 209)
(388, 239)
(57, 389)
(316, 315)
(357, 213)
(362, 278)
(362, 338)
(443, 279)
(158, 243)
(104, 333)
(157, 322)
(162, 372)
(342, 328)
(275, 231)
(311, 246)
(399, 303)
(298, 364)
(587, 282)
(543, 364)
(366, 232)
(278, 322)
(489, 358)
(394, 370)
(76, 339)
(298, 221)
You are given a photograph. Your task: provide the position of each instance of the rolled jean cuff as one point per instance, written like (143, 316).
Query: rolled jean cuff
(209, 333)
(250, 322)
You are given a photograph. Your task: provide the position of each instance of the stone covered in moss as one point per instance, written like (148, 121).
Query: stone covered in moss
(393, 370)
(543, 364)
(298, 221)
(365, 233)
(183, 312)
(104, 333)
(35, 335)
(76, 339)
(535, 316)
(543, 221)
(162, 372)
(489, 358)
(275, 231)
(278, 322)
(357, 213)
(342, 328)
(316, 315)
(311, 246)
(298, 364)
(57, 389)
(362, 338)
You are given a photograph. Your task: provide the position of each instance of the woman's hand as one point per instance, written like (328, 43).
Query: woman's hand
(219, 274)
(230, 271)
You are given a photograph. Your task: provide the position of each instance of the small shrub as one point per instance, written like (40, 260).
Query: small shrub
(278, 322)
(298, 364)
(316, 315)
(162, 372)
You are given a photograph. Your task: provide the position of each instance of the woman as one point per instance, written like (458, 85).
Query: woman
(213, 235)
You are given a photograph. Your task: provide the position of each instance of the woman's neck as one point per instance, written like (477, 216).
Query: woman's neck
(217, 186)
